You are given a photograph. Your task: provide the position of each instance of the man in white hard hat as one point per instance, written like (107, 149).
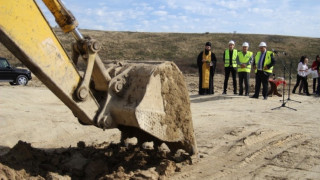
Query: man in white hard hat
(244, 61)
(263, 65)
(230, 65)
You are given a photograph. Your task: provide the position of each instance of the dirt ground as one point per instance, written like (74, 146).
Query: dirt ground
(237, 137)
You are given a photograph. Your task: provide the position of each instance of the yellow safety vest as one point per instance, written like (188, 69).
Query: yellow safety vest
(267, 61)
(227, 58)
(244, 59)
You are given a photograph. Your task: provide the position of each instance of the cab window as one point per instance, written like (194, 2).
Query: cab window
(3, 63)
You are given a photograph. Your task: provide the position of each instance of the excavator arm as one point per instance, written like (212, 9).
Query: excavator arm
(148, 97)
(26, 33)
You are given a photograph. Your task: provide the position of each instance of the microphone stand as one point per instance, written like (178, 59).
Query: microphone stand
(290, 85)
(283, 92)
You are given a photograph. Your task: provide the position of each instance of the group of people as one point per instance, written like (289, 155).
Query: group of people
(241, 63)
(304, 71)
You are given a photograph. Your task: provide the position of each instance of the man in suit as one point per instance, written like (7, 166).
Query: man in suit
(263, 65)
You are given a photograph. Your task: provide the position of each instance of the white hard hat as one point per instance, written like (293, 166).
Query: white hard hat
(231, 42)
(245, 44)
(263, 44)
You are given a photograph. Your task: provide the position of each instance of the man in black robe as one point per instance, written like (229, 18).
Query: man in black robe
(206, 62)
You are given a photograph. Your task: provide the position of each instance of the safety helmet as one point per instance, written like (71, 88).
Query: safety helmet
(231, 42)
(263, 44)
(245, 44)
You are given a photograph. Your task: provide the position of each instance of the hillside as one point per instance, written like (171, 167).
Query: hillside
(183, 48)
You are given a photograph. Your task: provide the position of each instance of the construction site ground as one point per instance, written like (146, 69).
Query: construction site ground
(237, 138)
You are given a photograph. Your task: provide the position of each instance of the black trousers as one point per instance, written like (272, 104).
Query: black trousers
(304, 81)
(227, 71)
(261, 78)
(318, 88)
(243, 79)
(314, 85)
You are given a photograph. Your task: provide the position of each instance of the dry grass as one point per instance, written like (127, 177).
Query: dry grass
(183, 48)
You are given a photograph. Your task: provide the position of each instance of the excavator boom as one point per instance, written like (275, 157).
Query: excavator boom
(148, 97)
(26, 33)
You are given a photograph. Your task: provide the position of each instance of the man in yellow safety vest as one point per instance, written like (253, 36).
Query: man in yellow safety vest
(244, 61)
(230, 65)
(263, 65)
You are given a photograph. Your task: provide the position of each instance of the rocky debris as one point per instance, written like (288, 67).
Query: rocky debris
(164, 148)
(130, 142)
(167, 168)
(148, 145)
(7, 173)
(181, 155)
(118, 174)
(55, 176)
(100, 161)
(150, 173)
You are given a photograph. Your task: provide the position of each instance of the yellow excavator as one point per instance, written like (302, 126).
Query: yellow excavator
(142, 100)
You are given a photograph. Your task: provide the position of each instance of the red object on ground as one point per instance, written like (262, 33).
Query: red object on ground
(274, 84)
(278, 82)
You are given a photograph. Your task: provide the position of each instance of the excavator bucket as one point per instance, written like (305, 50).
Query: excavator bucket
(153, 98)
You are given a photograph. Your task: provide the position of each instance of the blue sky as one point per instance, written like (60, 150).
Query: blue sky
(281, 17)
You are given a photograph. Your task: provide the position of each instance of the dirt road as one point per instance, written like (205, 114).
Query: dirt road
(237, 137)
(242, 138)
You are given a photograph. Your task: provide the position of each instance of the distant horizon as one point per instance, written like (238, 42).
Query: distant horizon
(198, 33)
(272, 17)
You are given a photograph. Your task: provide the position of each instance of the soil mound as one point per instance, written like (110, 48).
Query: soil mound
(102, 161)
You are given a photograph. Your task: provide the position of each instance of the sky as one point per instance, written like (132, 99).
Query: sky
(276, 17)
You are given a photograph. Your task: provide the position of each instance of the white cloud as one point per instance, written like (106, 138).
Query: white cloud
(172, 4)
(100, 12)
(261, 11)
(144, 7)
(184, 19)
(160, 13)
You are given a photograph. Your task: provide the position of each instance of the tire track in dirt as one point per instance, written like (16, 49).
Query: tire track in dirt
(301, 161)
(274, 147)
(268, 172)
(249, 147)
(252, 139)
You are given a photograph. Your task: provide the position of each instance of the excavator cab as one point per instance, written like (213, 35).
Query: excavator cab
(142, 100)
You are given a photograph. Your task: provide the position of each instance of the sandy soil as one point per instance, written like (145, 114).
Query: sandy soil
(237, 138)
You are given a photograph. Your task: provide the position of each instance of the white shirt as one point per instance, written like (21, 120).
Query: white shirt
(302, 67)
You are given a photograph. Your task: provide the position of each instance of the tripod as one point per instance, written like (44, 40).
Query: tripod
(283, 92)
